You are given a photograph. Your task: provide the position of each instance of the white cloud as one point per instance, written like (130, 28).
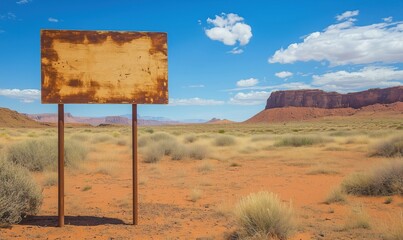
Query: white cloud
(229, 29)
(367, 77)
(347, 15)
(236, 50)
(250, 98)
(344, 43)
(193, 102)
(24, 95)
(8, 16)
(284, 86)
(250, 82)
(388, 19)
(284, 74)
(22, 2)
(55, 20)
(195, 86)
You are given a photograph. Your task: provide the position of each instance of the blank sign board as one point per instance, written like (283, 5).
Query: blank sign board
(104, 67)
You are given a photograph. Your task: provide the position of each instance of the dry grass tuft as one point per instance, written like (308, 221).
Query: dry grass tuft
(389, 148)
(197, 151)
(195, 195)
(358, 218)
(383, 181)
(264, 214)
(299, 141)
(19, 194)
(224, 140)
(50, 179)
(336, 196)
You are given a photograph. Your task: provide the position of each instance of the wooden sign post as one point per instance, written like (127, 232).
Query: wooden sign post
(102, 67)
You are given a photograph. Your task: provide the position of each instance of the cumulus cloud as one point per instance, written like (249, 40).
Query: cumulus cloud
(284, 74)
(54, 20)
(345, 43)
(24, 95)
(347, 15)
(247, 82)
(250, 98)
(193, 102)
(229, 29)
(367, 77)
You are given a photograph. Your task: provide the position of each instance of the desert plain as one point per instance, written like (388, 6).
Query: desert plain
(191, 178)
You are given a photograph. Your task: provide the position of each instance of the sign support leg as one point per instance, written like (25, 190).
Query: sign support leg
(134, 164)
(60, 124)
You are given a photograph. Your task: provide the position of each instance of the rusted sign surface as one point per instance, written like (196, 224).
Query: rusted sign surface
(104, 67)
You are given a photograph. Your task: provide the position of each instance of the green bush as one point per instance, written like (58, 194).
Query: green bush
(390, 148)
(263, 214)
(384, 181)
(224, 140)
(41, 154)
(299, 141)
(19, 194)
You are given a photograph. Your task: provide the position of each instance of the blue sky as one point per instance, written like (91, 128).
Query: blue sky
(225, 57)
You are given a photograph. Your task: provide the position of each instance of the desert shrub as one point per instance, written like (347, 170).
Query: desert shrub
(197, 151)
(221, 131)
(41, 154)
(50, 179)
(121, 142)
(152, 154)
(179, 153)
(205, 167)
(101, 138)
(161, 136)
(383, 181)
(80, 137)
(264, 214)
(389, 148)
(261, 137)
(143, 141)
(299, 141)
(224, 140)
(19, 194)
(336, 196)
(358, 218)
(149, 130)
(190, 138)
(167, 146)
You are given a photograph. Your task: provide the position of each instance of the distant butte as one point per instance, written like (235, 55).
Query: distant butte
(320, 99)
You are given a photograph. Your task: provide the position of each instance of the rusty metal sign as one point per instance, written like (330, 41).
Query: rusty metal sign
(104, 67)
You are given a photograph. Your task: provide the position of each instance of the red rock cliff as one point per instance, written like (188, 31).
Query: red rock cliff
(321, 99)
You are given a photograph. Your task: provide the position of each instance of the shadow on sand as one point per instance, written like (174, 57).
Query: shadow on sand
(52, 221)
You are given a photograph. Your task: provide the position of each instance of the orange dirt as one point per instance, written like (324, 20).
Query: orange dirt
(166, 211)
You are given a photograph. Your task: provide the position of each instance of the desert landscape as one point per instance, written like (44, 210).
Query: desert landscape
(337, 175)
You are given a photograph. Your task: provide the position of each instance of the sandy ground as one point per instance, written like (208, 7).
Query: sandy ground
(98, 196)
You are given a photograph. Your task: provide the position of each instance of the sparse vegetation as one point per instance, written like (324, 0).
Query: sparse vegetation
(179, 153)
(263, 214)
(197, 151)
(205, 167)
(50, 179)
(299, 141)
(383, 181)
(394, 228)
(358, 218)
(19, 194)
(195, 195)
(86, 188)
(41, 154)
(336, 196)
(190, 138)
(152, 154)
(224, 140)
(389, 148)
